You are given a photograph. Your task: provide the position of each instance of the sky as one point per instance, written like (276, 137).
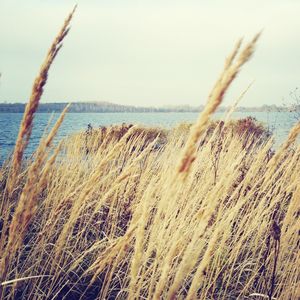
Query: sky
(149, 53)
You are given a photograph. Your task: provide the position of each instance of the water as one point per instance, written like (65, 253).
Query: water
(279, 122)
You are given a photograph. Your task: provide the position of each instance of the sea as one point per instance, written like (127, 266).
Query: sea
(278, 122)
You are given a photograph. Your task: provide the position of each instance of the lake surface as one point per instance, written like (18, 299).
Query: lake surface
(279, 122)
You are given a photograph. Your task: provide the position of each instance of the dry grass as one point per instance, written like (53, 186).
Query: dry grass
(109, 213)
(33, 103)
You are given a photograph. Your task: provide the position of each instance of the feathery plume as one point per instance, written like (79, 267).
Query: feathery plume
(32, 105)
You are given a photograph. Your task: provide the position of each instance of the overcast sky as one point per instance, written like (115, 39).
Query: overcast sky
(154, 52)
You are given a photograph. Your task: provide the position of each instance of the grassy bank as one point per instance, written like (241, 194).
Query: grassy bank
(206, 211)
(114, 219)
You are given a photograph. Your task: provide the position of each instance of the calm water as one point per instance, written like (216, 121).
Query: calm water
(280, 123)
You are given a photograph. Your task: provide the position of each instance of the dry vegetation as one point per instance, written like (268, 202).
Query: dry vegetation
(208, 212)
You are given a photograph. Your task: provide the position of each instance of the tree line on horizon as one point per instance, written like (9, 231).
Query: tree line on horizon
(107, 107)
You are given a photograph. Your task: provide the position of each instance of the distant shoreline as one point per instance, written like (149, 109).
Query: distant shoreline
(138, 112)
(107, 107)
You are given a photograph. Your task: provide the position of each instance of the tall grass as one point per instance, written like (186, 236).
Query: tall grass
(126, 212)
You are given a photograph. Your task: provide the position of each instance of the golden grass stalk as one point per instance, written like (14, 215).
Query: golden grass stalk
(47, 169)
(236, 102)
(33, 103)
(56, 126)
(27, 204)
(293, 134)
(232, 67)
(13, 281)
(86, 190)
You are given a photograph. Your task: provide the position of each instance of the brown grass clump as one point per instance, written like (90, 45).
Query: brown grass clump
(106, 214)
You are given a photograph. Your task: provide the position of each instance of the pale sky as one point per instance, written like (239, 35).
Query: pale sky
(149, 53)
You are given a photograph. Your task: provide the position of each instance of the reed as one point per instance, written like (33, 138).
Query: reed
(33, 103)
(230, 72)
(27, 203)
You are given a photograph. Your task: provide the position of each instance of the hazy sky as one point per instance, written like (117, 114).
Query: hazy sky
(154, 52)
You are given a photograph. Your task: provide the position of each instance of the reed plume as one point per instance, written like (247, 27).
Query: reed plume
(232, 67)
(27, 204)
(33, 103)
